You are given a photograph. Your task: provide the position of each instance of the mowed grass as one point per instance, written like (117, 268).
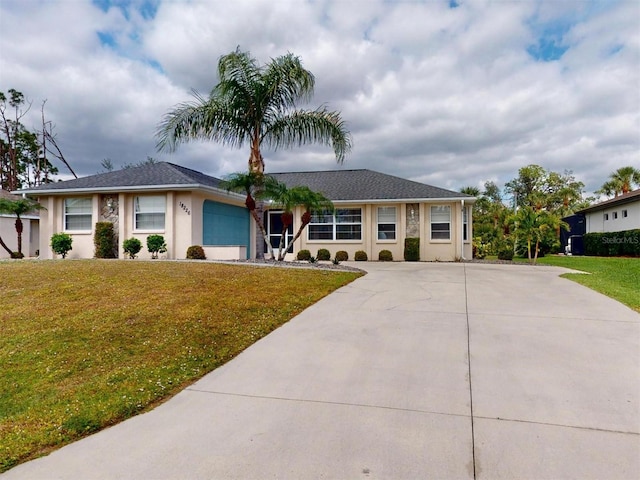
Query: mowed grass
(616, 277)
(86, 344)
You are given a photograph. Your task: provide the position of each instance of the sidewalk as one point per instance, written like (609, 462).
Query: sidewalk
(414, 371)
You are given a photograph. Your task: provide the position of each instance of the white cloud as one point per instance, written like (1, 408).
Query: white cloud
(441, 95)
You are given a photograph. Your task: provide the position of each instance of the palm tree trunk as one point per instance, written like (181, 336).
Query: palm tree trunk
(4, 245)
(536, 255)
(260, 224)
(19, 230)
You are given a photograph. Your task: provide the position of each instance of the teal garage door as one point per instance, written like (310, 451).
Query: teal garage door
(224, 224)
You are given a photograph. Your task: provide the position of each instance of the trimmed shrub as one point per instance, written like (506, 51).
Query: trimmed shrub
(613, 244)
(104, 241)
(17, 255)
(342, 256)
(132, 247)
(412, 249)
(61, 243)
(360, 256)
(385, 256)
(196, 252)
(156, 245)
(324, 254)
(304, 255)
(504, 250)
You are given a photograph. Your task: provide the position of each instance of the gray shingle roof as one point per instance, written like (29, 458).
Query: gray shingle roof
(152, 175)
(354, 185)
(337, 185)
(628, 197)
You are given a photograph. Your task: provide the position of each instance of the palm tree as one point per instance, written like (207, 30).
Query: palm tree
(257, 105)
(532, 224)
(621, 181)
(18, 208)
(287, 199)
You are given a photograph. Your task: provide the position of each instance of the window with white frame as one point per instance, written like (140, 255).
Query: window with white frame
(465, 223)
(77, 214)
(615, 215)
(441, 222)
(606, 216)
(149, 212)
(345, 224)
(624, 214)
(386, 223)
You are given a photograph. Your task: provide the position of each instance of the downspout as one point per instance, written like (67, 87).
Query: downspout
(462, 233)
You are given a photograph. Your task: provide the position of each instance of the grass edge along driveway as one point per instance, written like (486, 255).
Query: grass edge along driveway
(85, 344)
(615, 277)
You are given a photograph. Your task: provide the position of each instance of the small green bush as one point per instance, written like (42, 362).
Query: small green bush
(196, 252)
(385, 256)
(304, 255)
(342, 256)
(156, 245)
(412, 249)
(361, 256)
(17, 255)
(504, 249)
(132, 247)
(61, 243)
(324, 254)
(104, 241)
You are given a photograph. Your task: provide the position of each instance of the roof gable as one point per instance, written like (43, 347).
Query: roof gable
(355, 185)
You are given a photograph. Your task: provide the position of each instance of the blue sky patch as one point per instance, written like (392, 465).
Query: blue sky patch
(454, 4)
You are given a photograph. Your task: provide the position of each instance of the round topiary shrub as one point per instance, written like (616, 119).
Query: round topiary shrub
(304, 255)
(324, 254)
(196, 252)
(61, 243)
(342, 256)
(360, 256)
(132, 247)
(385, 256)
(156, 245)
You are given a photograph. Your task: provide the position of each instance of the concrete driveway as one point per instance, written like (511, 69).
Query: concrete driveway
(416, 371)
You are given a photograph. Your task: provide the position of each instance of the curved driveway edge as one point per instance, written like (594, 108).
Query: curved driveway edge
(414, 371)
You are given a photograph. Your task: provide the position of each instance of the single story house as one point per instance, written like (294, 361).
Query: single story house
(374, 211)
(614, 215)
(30, 233)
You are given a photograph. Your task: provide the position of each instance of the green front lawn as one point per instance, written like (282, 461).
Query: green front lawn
(616, 277)
(86, 344)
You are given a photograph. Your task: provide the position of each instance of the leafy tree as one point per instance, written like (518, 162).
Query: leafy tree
(622, 181)
(18, 208)
(23, 153)
(256, 105)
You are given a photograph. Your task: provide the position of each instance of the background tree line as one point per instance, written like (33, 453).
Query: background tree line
(528, 223)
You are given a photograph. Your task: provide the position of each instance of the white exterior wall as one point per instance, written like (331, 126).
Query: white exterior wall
(430, 250)
(596, 222)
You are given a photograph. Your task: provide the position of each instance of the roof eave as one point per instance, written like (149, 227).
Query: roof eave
(408, 200)
(132, 188)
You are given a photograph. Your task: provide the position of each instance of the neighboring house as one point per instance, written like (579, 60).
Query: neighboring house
(374, 211)
(615, 215)
(30, 233)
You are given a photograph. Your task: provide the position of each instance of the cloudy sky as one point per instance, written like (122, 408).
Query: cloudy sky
(446, 92)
